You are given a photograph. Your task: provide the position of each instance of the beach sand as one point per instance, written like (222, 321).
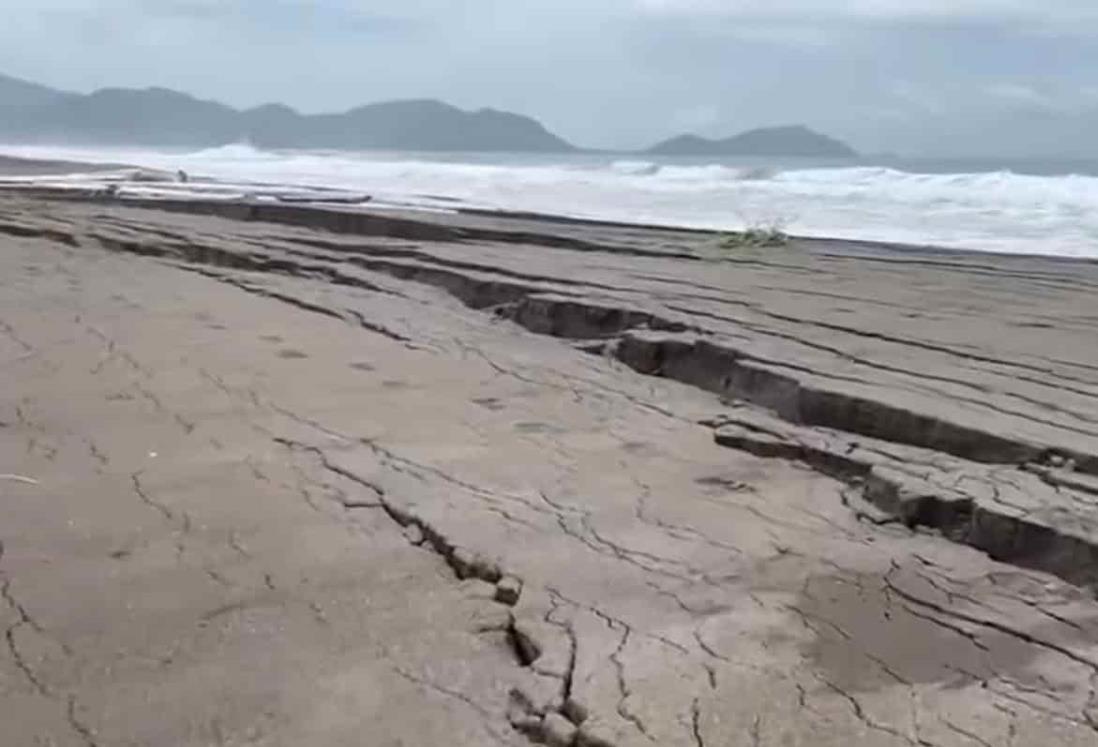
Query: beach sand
(284, 475)
(11, 166)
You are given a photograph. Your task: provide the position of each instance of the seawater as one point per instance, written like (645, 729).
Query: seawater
(1019, 207)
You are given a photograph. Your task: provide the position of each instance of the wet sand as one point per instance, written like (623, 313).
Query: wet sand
(283, 475)
(11, 166)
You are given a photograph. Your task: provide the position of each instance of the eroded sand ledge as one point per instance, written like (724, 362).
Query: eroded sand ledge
(463, 479)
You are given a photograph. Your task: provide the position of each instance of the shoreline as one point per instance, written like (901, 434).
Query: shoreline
(18, 167)
(544, 221)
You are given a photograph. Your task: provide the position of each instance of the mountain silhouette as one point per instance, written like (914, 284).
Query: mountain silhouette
(162, 117)
(159, 116)
(795, 140)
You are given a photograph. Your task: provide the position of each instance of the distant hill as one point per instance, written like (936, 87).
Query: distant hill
(158, 116)
(161, 117)
(403, 125)
(15, 92)
(153, 116)
(771, 141)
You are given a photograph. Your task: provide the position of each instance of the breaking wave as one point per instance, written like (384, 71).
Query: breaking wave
(993, 211)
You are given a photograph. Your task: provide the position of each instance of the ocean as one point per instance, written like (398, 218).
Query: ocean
(1037, 207)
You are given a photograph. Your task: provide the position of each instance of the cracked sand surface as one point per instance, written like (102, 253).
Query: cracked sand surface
(283, 474)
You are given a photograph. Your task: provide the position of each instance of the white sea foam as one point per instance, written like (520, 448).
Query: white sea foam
(998, 211)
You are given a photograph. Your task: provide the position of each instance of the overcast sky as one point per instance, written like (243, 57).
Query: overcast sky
(931, 76)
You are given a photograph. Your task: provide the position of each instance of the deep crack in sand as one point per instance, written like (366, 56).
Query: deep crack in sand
(737, 510)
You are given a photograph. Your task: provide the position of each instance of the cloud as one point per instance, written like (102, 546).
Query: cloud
(1050, 11)
(1018, 93)
(601, 72)
(337, 17)
(1078, 17)
(695, 118)
(912, 98)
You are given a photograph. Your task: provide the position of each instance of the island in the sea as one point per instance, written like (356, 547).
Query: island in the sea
(793, 140)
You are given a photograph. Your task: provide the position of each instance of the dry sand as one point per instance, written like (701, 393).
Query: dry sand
(275, 475)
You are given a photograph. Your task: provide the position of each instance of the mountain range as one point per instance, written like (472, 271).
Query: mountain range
(161, 117)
